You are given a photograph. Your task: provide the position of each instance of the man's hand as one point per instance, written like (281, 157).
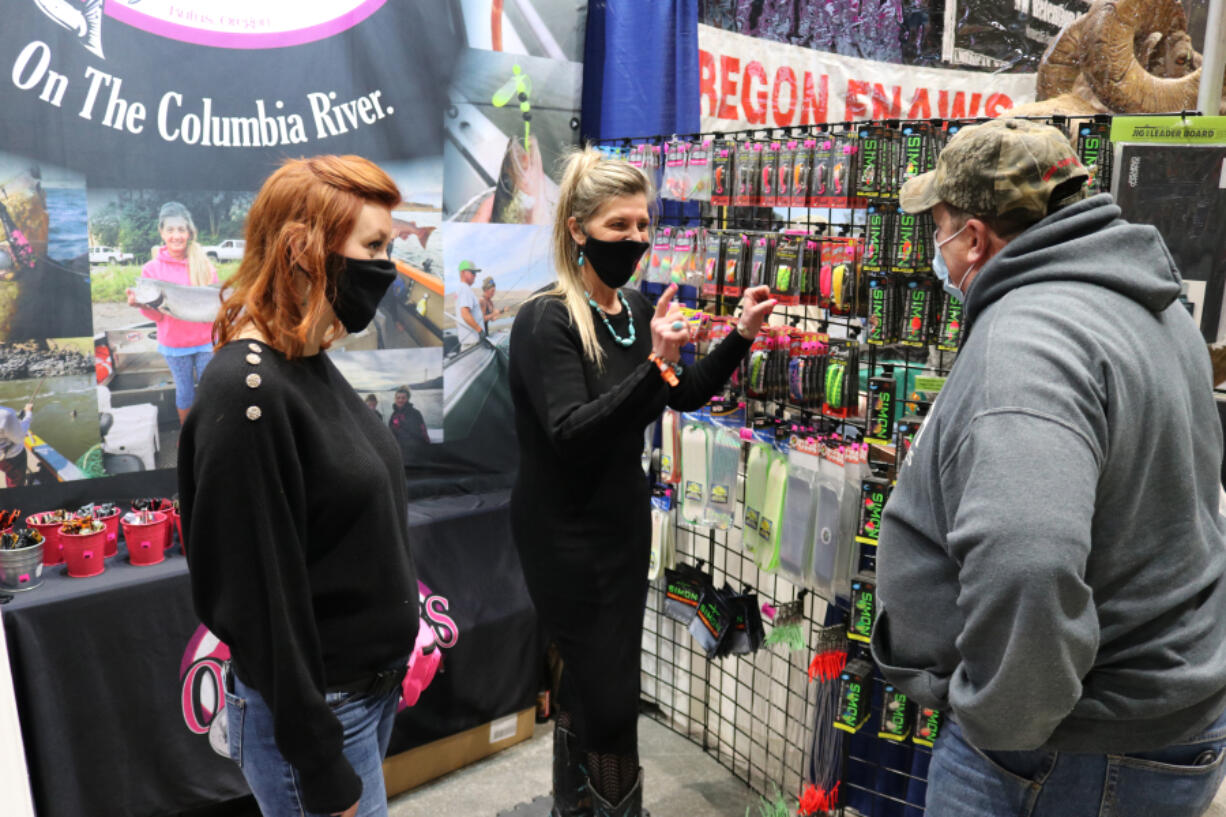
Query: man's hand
(29, 409)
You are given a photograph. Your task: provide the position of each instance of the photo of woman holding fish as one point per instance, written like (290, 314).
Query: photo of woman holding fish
(186, 345)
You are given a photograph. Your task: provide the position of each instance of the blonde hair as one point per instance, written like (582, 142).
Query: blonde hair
(199, 270)
(589, 180)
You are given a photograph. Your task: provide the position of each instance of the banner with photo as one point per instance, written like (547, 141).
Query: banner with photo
(513, 112)
(746, 82)
(134, 138)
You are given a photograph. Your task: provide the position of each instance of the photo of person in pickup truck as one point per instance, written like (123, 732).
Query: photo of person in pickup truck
(184, 319)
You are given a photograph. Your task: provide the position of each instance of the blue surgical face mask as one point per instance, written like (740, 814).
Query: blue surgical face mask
(941, 269)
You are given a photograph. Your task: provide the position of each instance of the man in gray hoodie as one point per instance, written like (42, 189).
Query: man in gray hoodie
(1051, 562)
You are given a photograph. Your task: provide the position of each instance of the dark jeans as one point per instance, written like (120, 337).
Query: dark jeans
(1176, 781)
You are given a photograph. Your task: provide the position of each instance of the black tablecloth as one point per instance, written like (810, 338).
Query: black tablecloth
(107, 700)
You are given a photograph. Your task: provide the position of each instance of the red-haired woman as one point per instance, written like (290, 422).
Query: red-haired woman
(294, 501)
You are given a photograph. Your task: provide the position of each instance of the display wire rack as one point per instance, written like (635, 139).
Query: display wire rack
(756, 714)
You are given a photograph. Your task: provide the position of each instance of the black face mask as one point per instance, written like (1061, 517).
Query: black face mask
(614, 261)
(360, 286)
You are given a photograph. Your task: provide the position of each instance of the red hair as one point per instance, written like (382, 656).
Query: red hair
(297, 226)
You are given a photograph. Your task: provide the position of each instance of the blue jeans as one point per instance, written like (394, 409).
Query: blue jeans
(367, 720)
(1176, 781)
(186, 370)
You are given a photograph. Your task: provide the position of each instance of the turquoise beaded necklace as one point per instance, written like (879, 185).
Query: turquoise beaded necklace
(628, 341)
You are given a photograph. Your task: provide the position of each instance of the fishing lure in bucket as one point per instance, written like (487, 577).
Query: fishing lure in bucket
(519, 86)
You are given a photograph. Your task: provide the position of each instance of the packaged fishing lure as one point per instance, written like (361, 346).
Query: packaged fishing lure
(676, 154)
(712, 262)
(863, 607)
(757, 466)
(723, 462)
(788, 266)
(712, 621)
(760, 260)
(768, 175)
(916, 152)
(821, 189)
(874, 493)
(1096, 154)
(855, 697)
(872, 172)
(907, 244)
(682, 266)
(748, 165)
(928, 722)
(770, 520)
(698, 172)
(736, 258)
(695, 450)
(908, 428)
(723, 172)
(783, 178)
(810, 292)
(670, 447)
(799, 512)
(896, 714)
(950, 337)
(802, 165)
(659, 269)
(878, 232)
(683, 590)
(882, 309)
(917, 307)
(881, 410)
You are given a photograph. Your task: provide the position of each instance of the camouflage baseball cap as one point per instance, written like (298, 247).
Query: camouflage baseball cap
(1005, 168)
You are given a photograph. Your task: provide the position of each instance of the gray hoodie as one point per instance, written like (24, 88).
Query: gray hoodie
(1050, 566)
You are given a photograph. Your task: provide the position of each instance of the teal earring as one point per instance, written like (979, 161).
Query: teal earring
(581, 256)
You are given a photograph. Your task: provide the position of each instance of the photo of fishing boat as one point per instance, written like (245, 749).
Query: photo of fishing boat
(411, 314)
(44, 251)
(515, 260)
(379, 374)
(46, 443)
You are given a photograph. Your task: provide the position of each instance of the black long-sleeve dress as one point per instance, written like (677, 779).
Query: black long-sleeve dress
(580, 509)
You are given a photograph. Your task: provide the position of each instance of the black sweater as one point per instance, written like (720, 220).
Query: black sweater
(581, 426)
(295, 516)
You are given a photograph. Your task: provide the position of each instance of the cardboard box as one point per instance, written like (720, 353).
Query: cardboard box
(410, 769)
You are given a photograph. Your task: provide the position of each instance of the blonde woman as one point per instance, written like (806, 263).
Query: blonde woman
(592, 365)
(187, 346)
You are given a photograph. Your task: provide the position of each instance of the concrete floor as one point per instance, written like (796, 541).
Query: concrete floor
(679, 778)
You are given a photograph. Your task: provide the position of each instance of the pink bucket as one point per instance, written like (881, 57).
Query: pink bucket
(53, 552)
(84, 553)
(112, 532)
(147, 543)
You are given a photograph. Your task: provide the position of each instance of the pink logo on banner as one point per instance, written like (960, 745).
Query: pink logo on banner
(200, 686)
(219, 23)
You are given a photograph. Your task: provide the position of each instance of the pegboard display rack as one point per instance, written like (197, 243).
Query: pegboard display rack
(756, 713)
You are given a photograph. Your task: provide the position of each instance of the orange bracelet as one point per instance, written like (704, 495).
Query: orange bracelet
(666, 369)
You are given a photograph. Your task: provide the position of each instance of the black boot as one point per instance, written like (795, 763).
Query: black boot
(630, 806)
(571, 793)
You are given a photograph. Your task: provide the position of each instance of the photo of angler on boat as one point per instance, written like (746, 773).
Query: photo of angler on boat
(411, 313)
(407, 387)
(49, 424)
(44, 267)
(159, 259)
(494, 269)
